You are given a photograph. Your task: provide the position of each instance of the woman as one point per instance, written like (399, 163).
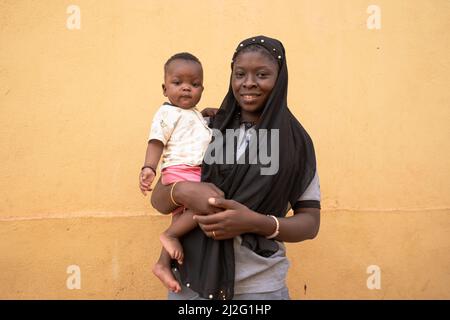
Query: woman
(238, 251)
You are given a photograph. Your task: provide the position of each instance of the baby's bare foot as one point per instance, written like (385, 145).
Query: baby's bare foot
(173, 247)
(166, 276)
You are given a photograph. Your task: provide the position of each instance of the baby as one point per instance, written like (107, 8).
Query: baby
(181, 135)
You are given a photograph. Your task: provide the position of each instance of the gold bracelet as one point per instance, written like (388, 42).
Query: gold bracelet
(277, 227)
(171, 195)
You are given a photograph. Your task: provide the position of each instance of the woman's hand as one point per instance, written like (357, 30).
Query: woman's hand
(236, 219)
(209, 112)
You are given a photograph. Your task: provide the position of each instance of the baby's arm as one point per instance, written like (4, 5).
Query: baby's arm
(163, 125)
(148, 173)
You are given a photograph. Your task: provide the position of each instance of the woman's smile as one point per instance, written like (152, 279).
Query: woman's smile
(250, 98)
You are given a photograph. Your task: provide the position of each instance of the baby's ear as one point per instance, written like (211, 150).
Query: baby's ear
(164, 90)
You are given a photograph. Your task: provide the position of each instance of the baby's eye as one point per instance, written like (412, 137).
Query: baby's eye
(175, 82)
(196, 85)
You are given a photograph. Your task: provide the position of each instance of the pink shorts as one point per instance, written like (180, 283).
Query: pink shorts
(180, 172)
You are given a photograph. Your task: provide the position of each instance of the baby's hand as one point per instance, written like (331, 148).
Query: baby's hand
(146, 178)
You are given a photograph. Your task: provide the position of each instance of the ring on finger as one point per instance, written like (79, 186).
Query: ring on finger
(214, 234)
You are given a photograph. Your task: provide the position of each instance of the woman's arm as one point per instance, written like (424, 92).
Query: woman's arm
(303, 225)
(193, 195)
(237, 219)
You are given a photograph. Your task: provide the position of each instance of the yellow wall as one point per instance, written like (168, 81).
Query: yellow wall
(76, 107)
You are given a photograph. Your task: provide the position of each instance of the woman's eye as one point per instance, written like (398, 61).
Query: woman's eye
(239, 74)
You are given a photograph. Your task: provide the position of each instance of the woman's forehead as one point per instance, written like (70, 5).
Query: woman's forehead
(254, 59)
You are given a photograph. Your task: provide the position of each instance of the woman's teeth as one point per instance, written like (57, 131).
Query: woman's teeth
(249, 97)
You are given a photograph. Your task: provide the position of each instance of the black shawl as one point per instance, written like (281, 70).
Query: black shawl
(208, 266)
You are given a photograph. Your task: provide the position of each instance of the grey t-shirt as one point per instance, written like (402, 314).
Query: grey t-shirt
(257, 274)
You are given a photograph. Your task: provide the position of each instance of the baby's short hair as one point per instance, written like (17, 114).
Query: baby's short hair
(182, 56)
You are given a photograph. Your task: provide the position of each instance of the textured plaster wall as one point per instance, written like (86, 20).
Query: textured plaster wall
(76, 106)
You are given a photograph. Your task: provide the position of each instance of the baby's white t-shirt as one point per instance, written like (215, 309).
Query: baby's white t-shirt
(184, 134)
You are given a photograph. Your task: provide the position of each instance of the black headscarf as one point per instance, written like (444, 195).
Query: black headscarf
(208, 267)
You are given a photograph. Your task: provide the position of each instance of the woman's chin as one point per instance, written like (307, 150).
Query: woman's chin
(251, 109)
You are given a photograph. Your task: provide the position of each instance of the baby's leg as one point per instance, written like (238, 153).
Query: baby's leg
(163, 271)
(179, 227)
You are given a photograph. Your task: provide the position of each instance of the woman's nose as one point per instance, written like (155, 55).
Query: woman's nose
(249, 82)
